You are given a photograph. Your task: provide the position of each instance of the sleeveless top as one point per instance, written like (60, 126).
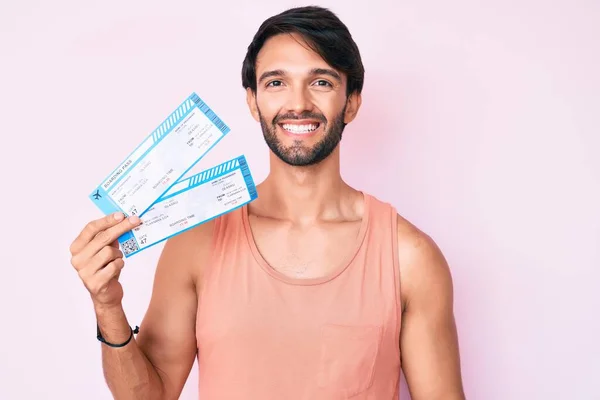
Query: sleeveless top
(263, 335)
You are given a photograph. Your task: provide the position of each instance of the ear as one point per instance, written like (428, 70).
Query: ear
(251, 100)
(352, 106)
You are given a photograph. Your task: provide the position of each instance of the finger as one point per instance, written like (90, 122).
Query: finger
(92, 229)
(109, 236)
(112, 270)
(106, 255)
(99, 281)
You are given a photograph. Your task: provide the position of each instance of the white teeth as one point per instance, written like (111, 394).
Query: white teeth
(300, 128)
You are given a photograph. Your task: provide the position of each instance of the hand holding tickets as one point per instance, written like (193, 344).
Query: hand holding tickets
(96, 257)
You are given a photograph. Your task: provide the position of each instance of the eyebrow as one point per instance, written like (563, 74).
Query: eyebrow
(314, 71)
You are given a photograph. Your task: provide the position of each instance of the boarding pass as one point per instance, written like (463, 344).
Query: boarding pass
(163, 157)
(191, 202)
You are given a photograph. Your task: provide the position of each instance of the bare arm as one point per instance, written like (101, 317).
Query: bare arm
(128, 372)
(156, 364)
(429, 343)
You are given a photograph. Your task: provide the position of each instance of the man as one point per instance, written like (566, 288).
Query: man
(313, 291)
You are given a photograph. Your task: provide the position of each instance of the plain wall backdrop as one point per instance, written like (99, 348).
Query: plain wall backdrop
(480, 122)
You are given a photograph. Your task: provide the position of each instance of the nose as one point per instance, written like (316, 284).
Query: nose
(299, 101)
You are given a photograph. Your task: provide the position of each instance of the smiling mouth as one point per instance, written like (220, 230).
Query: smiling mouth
(300, 129)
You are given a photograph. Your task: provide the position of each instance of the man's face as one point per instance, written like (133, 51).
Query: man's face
(300, 101)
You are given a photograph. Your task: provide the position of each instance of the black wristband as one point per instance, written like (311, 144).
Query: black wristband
(100, 338)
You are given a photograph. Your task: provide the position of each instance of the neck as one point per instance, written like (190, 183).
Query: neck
(305, 194)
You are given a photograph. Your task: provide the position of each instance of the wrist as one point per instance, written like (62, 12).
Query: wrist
(112, 323)
(102, 339)
(103, 309)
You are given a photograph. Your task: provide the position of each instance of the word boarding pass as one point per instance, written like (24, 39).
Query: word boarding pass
(164, 156)
(191, 202)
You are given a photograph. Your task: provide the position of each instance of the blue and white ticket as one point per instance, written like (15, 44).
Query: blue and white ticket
(164, 156)
(191, 202)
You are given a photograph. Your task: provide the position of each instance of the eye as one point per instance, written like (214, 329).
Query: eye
(323, 83)
(274, 83)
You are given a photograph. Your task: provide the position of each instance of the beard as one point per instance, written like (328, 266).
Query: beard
(298, 154)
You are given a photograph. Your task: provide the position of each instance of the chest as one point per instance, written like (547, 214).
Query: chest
(333, 339)
(304, 252)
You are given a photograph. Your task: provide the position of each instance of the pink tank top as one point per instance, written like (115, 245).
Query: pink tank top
(262, 335)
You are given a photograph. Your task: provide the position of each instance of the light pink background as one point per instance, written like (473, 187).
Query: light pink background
(480, 122)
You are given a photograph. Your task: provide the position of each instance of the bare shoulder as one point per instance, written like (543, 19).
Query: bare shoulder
(428, 337)
(423, 266)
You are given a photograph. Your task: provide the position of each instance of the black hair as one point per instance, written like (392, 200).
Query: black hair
(323, 32)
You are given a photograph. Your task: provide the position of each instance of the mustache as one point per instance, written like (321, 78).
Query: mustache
(304, 115)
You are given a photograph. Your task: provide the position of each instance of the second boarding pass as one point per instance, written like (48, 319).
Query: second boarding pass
(191, 202)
